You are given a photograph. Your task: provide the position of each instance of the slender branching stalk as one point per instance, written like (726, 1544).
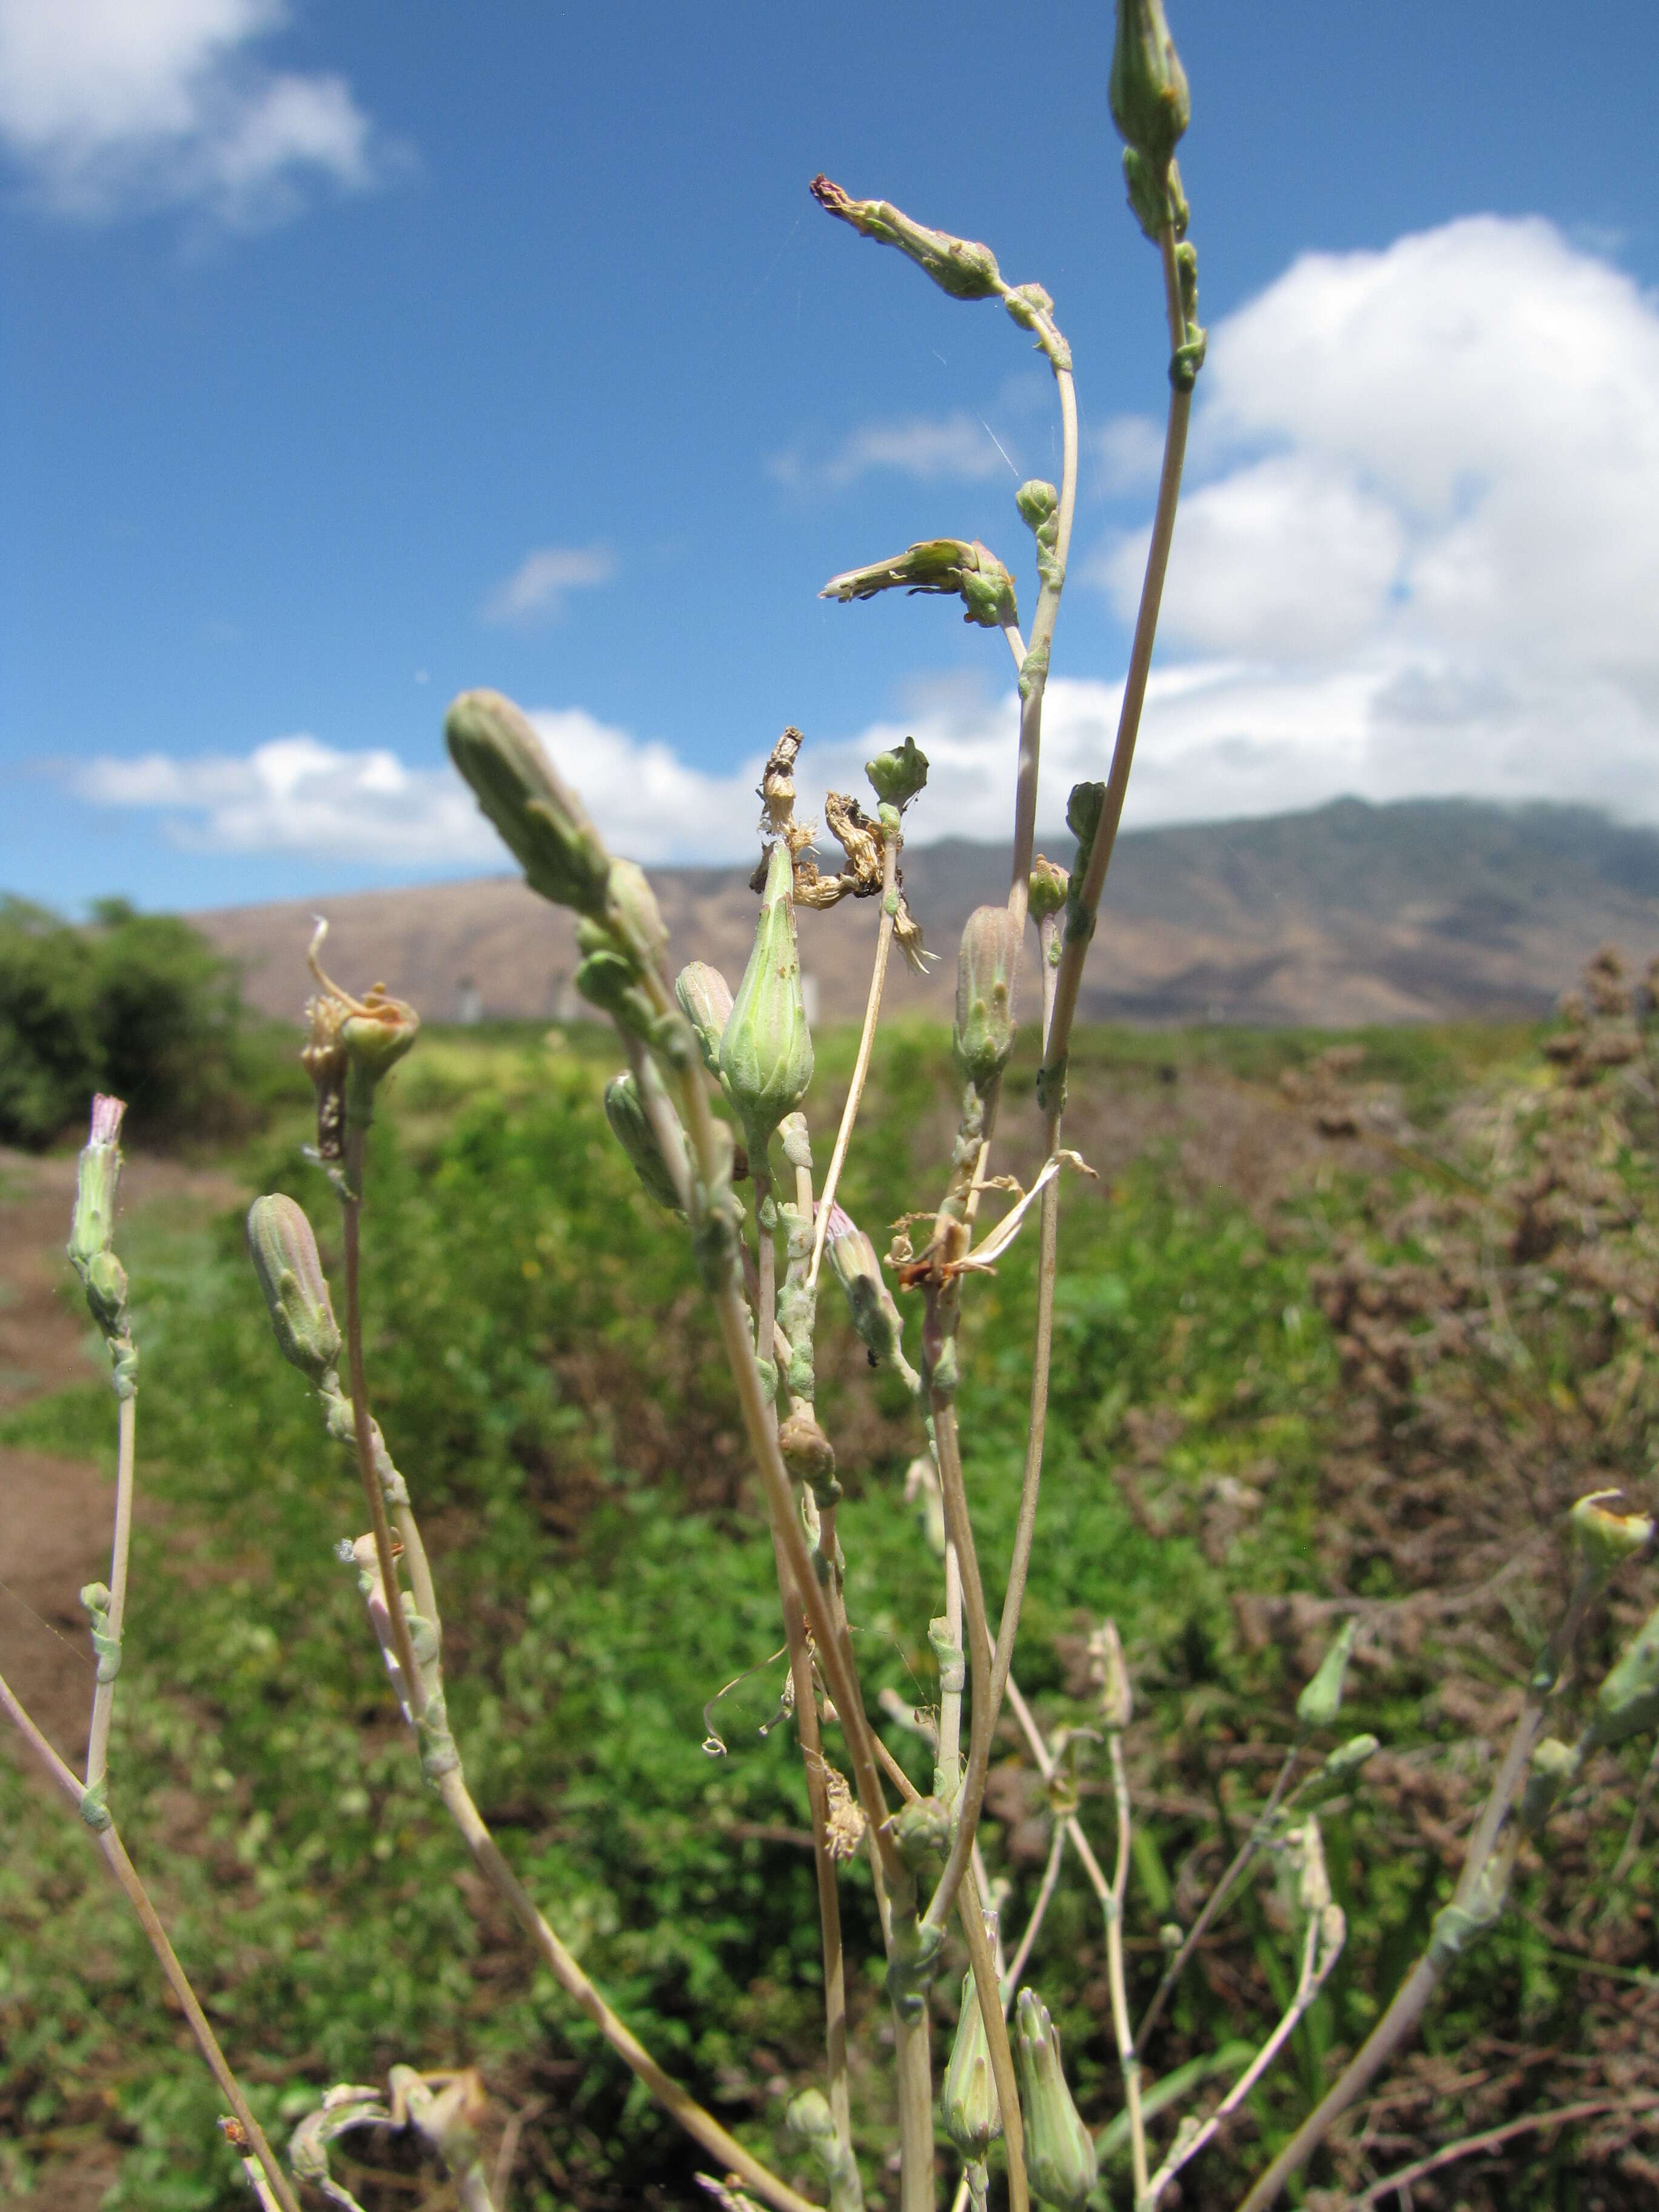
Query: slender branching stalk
(107, 1838)
(1046, 1890)
(103, 1697)
(1218, 1897)
(1399, 2185)
(1128, 2063)
(861, 1063)
(363, 1427)
(1321, 1946)
(1471, 1907)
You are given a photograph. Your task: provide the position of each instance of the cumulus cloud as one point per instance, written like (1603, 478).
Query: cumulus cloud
(110, 108)
(296, 794)
(1420, 556)
(538, 587)
(957, 448)
(1426, 505)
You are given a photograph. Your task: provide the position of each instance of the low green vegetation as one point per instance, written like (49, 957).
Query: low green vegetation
(547, 1377)
(138, 1005)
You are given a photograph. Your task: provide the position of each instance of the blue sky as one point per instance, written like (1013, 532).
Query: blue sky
(355, 355)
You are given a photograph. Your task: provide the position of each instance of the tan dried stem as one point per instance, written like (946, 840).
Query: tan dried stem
(108, 1840)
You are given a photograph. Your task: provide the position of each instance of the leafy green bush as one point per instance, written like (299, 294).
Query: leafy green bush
(139, 1004)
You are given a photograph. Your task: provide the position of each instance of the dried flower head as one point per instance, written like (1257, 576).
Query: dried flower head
(353, 1043)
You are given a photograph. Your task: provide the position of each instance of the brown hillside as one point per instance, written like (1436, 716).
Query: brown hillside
(1349, 914)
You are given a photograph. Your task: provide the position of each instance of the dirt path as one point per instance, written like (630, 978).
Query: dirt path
(55, 1513)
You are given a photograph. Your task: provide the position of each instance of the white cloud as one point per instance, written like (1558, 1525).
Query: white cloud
(297, 795)
(1130, 450)
(111, 107)
(1420, 556)
(538, 588)
(957, 448)
(1425, 505)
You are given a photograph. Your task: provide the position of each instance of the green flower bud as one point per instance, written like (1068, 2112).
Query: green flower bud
(353, 1043)
(1110, 1675)
(957, 265)
(1320, 1703)
(971, 2108)
(705, 997)
(1627, 1703)
(937, 564)
(983, 1038)
(898, 776)
(1348, 1758)
(631, 910)
(1037, 501)
(911, 1964)
(376, 1034)
(92, 1224)
(542, 824)
(1148, 93)
(1048, 888)
(97, 1173)
(631, 1127)
(869, 1302)
(809, 2116)
(922, 1830)
(1604, 1539)
(1082, 813)
(1059, 2152)
(283, 1251)
(766, 1052)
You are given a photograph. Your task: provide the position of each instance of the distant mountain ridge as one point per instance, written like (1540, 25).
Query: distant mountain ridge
(1420, 910)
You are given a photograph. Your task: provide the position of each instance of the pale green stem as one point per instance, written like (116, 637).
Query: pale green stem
(812, 1745)
(765, 1253)
(861, 1065)
(971, 1917)
(1219, 1896)
(487, 1853)
(1128, 2063)
(1398, 2184)
(103, 1698)
(1050, 1882)
(948, 1761)
(362, 1427)
(959, 1528)
(1411, 1999)
(1043, 632)
(108, 1840)
(970, 1914)
(1134, 700)
(1309, 1984)
(835, 1979)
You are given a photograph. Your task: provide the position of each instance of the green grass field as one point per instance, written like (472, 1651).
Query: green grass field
(547, 1377)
